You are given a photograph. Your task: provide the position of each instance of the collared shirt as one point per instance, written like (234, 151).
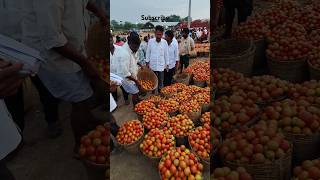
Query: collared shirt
(133, 60)
(54, 23)
(173, 52)
(120, 62)
(157, 54)
(186, 46)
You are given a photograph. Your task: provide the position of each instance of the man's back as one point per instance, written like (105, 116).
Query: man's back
(54, 23)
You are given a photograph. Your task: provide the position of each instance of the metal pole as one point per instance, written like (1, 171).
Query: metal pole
(189, 15)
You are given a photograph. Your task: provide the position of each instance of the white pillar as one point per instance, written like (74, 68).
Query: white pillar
(189, 15)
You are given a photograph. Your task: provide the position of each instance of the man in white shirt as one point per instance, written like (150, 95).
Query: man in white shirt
(120, 62)
(186, 46)
(173, 52)
(58, 29)
(132, 46)
(157, 55)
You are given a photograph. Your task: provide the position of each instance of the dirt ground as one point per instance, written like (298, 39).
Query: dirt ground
(126, 166)
(42, 158)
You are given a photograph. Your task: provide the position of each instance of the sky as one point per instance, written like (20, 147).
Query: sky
(131, 10)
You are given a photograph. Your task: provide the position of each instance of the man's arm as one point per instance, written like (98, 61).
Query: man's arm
(192, 44)
(148, 54)
(97, 12)
(177, 56)
(10, 80)
(68, 52)
(49, 14)
(166, 55)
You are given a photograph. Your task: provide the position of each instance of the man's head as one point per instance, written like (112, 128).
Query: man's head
(169, 36)
(134, 41)
(118, 39)
(145, 38)
(185, 32)
(159, 33)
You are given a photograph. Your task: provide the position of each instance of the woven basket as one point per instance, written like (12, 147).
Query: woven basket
(134, 148)
(242, 63)
(305, 147)
(199, 83)
(293, 71)
(95, 171)
(182, 78)
(232, 47)
(314, 73)
(97, 42)
(153, 160)
(194, 116)
(148, 74)
(277, 170)
(205, 107)
(267, 103)
(260, 54)
(205, 162)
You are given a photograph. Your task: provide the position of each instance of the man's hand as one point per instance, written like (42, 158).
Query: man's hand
(10, 81)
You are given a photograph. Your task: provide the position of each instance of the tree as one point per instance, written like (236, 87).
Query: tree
(186, 19)
(115, 24)
(174, 18)
(128, 25)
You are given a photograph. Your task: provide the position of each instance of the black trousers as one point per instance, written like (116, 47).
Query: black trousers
(15, 106)
(168, 76)
(50, 104)
(244, 10)
(184, 62)
(125, 94)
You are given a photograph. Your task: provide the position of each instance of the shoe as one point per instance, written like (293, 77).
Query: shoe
(54, 130)
(127, 102)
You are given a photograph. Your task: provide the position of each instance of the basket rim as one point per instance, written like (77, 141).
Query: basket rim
(287, 155)
(286, 62)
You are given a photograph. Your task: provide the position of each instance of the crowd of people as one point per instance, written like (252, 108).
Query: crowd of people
(67, 74)
(163, 54)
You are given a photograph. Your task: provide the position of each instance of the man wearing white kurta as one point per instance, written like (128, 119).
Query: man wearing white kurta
(58, 29)
(157, 55)
(173, 52)
(120, 62)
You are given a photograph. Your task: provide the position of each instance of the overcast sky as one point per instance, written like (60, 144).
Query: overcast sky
(131, 10)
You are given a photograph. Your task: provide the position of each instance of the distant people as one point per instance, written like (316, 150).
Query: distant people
(244, 9)
(119, 42)
(186, 46)
(173, 52)
(142, 51)
(157, 55)
(198, 34)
